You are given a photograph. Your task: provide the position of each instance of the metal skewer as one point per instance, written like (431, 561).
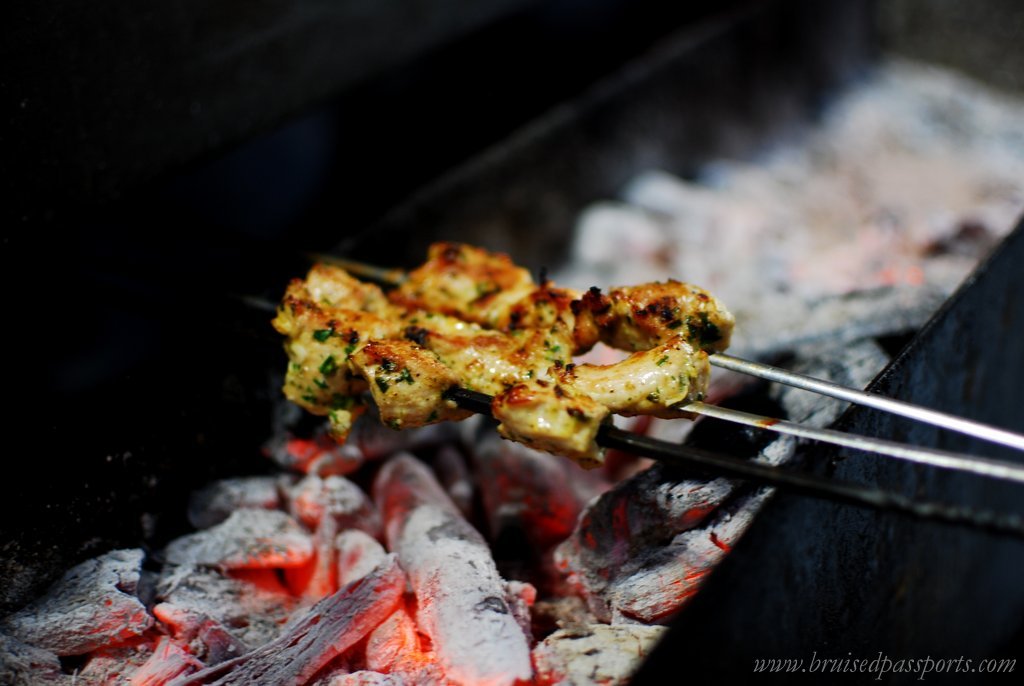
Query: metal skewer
(982, 466)
(879, 402)
(802, 483)
(394, 277)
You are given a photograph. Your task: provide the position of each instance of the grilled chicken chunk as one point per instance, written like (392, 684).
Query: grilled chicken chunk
(320, 341)
(640, 317)
(654, 382)
(473, 319)
(465, 282)
(409, 383)
(547, 416)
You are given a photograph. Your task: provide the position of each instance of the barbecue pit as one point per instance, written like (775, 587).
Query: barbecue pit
(131, 491)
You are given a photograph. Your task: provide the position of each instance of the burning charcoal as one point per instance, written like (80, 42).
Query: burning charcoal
(328, 505)
(358, 554)
(530, 493)
(520, 597)
(330, 628)
(115, 664)
(839, 319)
(218, 644)
(335, 496)
(215, 503)
(169, 661)
(366, 678)
(251, 610)
(460, 596)
(560, 612)
(594, 654)
(635, 516)
(394, 648)
(320, 455)
(318, 578)
(610, 237)
(658, 581)
(455, 477)
(93, 605)
(248, 538)
(25, 665)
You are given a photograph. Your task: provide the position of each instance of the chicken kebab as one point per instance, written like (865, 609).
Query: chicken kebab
(473, 319)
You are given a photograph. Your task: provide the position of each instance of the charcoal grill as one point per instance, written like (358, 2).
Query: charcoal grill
(111, 455)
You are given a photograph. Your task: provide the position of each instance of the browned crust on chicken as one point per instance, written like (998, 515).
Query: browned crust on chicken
(465, 282)
(640, 317)
(547, 416)
(408, 383)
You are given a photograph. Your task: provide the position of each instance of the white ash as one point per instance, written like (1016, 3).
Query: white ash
(460, 595)
(190, 597)
(786, 323)
(358, 554)
(114, 664)
(461, 600)
(330, 627)
(651, 587)
(363, 677)
(215, 502)
(563, 611)
(594, 654)
(909, 179)
(25, 665)
(167, 662)
(93, 604)
(520, 597)
(247, 538)
(314, 498)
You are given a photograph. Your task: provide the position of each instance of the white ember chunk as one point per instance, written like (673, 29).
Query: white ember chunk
(168, 662)
(113, 664)
(661, 579)
(358, 554)
(215, 502)
(94, 604)
(594, 654)
(249, 538)
(609, 233)
(314, 497)
(25, 665)
(364, 678)
(326, 632)
(251, 612)
(628, 522)
(460, 596)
